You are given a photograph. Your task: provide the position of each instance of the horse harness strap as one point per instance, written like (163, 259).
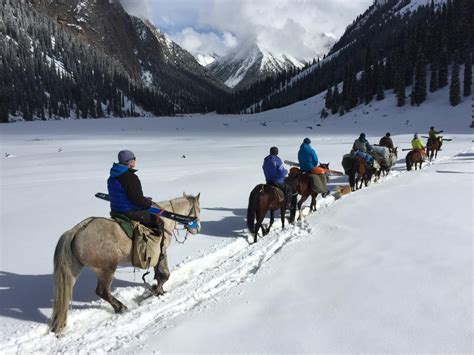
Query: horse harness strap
(175, 231)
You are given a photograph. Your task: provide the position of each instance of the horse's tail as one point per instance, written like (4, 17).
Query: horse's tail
(352, 172)
(252, 210)
(408, 161)
(66, 268)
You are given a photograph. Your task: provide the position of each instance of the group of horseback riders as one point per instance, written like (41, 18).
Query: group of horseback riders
(380, 156)
(126, 195)
(418, 145)
(275, 173)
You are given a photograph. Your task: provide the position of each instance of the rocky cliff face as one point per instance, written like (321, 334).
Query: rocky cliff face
(143, 50)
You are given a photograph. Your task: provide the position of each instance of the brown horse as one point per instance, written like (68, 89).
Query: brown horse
(304, 188)
(433, 146)
(359, 172)
(414, 158)
(102, 245)
(264, 198)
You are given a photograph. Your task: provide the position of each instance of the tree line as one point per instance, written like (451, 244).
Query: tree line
(382, 50)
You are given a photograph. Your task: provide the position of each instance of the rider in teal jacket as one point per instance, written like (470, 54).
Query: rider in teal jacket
(307, 156)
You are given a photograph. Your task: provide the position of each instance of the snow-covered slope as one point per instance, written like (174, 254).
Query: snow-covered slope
(250, 64)
(386, 269)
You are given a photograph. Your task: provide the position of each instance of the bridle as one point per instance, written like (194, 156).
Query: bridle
(175, 231)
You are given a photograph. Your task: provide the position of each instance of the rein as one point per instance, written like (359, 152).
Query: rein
(175, 231)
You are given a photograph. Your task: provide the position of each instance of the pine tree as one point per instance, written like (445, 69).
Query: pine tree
(434, 76)
(328, 102)
(443, 69)
(335, 100)
(400, 89)
(419, 89)
(468, 75)
(455, 88)
(380, 83)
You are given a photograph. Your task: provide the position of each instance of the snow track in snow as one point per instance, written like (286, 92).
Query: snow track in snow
(193, 285)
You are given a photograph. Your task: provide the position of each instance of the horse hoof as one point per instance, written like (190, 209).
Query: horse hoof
(121, 309)
(158, 291)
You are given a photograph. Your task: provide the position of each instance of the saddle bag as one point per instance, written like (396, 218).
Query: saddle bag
(146, 247)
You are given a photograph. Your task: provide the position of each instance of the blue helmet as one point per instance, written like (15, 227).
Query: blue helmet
(307, 141)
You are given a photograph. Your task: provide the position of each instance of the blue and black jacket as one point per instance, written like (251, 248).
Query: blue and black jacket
(125, 190)
(274, 170)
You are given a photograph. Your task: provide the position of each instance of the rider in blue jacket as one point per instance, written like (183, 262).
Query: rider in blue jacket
(275, 173)
(125, 192)
(273, 168)
(307, 156)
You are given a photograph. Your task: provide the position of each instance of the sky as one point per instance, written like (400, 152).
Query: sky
(303, 29)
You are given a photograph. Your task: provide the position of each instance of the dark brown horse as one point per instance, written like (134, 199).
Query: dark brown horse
(433, 146)
(414, 158)
(360, 172)
(264, 198)
(304, 188)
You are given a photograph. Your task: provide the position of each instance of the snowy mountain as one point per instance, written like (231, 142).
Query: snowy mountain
(173, 54)
(143, 51)
(380, 50)
(239, 69)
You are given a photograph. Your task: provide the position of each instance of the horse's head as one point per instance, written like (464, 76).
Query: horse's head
(326, 167)
(194, 211)
(394, 151)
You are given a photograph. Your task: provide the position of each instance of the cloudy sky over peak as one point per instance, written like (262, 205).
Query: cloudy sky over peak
(300, 28)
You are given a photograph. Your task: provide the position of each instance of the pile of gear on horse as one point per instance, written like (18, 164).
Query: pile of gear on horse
(366, 161)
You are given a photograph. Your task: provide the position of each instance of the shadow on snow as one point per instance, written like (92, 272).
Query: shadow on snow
(24, 296)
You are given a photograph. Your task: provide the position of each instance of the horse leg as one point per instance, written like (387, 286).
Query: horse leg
(313, 202)
(300, 204)
(105, 277)
(258, 225)
(282, 216)
(162, 274)
(294, 200)
(272, 219)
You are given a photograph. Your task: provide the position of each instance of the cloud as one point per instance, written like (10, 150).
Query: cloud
(294, 27)
(205, 42)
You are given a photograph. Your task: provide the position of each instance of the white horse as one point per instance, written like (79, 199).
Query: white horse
(101, 244)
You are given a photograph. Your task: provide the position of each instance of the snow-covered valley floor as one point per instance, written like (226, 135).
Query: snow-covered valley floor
(385, 269)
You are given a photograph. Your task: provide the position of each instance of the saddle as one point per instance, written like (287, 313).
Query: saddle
(280, 192)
